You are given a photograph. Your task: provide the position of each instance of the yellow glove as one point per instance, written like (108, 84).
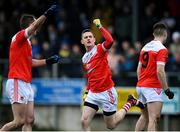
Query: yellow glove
(97, 22)
(84, 96)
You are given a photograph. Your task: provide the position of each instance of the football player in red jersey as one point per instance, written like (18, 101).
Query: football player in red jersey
(100, 90)
(152, 78)
(18, 86)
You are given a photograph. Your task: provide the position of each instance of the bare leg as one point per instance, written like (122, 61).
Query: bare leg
(113, 120)
(29, 117)
(87, 116)
(154, 112)
(19, 117)
(142, 121)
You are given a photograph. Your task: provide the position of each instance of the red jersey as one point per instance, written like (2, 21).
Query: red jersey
(98, 72)
(152, 54)
(20, 57)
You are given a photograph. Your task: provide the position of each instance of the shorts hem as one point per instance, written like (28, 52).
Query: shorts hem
(150, 101)
(18, 102)
(108, 113)
(91, 105)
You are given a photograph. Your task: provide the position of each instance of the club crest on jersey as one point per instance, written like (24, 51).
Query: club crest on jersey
(88, 66)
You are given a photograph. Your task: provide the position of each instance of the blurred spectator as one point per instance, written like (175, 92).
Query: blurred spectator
(76, 53)
(138, 46)
(52, 34)
(35, 48)
(36, 54)
(129, 54)
(76, 66)
(114, 59)
(64, 51)
(46, 50)
(175, 51)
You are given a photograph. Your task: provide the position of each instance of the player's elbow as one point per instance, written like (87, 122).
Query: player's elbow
(111, 40)
(160, 72)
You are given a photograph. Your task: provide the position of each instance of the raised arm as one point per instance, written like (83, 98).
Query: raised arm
(107, 36)
(35, 25)
(38, 22)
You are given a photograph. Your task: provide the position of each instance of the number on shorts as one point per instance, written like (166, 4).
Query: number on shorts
(145, 59)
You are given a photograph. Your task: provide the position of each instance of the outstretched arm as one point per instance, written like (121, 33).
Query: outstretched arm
(49, 61)
(37, 63)
(36, 25)
(108, 38)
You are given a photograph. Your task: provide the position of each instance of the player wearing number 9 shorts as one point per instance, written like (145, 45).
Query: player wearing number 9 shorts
(152, 78)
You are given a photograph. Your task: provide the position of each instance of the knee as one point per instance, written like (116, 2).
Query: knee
(144, 118)
(158, 118)
(110, 126)
(154, 119)
(30, 120)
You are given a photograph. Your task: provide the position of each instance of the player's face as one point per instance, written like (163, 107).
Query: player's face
(88, 39)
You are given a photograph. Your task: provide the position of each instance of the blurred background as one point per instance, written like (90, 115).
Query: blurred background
(58, 88)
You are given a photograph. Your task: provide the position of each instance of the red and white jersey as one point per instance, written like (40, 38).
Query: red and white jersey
(152, 54)
(20, 57)
(98, 72)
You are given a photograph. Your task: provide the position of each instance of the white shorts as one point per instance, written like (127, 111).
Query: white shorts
(19, 91)
(106, 100)
(147, 95)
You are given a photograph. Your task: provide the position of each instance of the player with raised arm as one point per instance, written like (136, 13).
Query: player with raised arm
(100, 90)
(152, 78)
(18, 85)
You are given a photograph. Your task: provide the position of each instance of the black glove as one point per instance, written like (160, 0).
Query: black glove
(169, 93)
(52, 9)
(53, 59)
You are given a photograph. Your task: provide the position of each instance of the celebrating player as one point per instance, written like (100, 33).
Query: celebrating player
(18, 85)
(100, 90)
(152, 78)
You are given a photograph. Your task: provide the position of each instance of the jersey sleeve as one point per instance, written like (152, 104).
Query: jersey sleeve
(21, 36)
(101, 50)
(107, 44)
(162, 57)
(140, 57)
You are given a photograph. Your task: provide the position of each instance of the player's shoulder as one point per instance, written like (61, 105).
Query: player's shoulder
(154, 46)
(17, 34)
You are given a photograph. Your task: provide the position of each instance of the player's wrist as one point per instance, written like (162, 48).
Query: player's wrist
(169, 93)
(46, 14)
(53, 59)
(99, 26)
(167, 90)
(53, 8)
(97, 22)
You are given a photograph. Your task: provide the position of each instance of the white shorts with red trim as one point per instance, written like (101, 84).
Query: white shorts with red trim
(147, 95)
(106, 100)
(19, 91)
